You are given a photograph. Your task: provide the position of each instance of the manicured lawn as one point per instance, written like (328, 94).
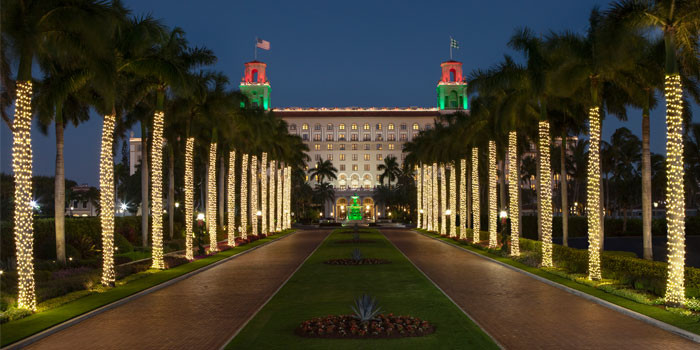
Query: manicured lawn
(17, 330)
(659, 313)
(318, 289)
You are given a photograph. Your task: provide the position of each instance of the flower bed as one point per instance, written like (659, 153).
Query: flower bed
(347, 326)
(350, 261)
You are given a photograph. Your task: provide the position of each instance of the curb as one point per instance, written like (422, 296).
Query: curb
(77, 319)
(636, 315)
(275, 293)
(445, 294)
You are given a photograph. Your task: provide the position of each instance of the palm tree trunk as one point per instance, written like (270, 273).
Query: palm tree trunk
(107, 198)
(593, 198)
(514, 189)
(60, 191)
(564, 192)
(157, 184)
(545, 191)
(492, 196)
(222, 189)
(144, 185)
(189, 197)
(648, 252)
(171, 191)
(502, 186)
(538, 188)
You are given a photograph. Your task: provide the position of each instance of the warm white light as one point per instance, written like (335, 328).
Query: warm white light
(593, 200)
(434, 197)
(231, 199)
(493, 199)
(157, 190)
(453, 200)
(258, 213)
(463, 199)
(273, 183)
(503, 214)
(189, 197)
(177, 204)
(200, 217)
(514, 192)
(443, 200)
(244, 196)
(476, 206)
(211, 199)
(419, 188)
(280, 199)
(263, 195)
(389, 214)
(545, 192)
(107, 199)
(253, 193)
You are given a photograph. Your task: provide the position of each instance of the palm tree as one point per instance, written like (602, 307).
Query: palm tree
(390, 170)
(679, 22)
(692, 155)
(31, 30)
(324, 169)
(324, 193)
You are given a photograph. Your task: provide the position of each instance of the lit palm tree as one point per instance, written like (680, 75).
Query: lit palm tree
(679, 21)
(31, 30)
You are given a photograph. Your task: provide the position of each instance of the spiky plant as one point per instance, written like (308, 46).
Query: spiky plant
(365, 308)
(356, 254)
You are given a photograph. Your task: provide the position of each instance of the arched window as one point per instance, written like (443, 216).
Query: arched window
(453, 74)
(254, 75)
(354, 126)
(366, 126)
(293, 127)
(391, 126)
(329, 127)
(317, 127)
(305, 126)
(341, 127)
(415, 126)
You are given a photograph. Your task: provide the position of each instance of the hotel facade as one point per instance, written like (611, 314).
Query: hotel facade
(357, 140)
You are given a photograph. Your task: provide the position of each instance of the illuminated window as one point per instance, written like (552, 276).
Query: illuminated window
(367, 138)
(330, 146)
(354, 126)
(305, 126)
(330, 156)
(366, 156)
(404, 137)
(354, 167)
(379, 146)
(378, 176)
(379, 156)
(329, 127)
(341, 127)
(415, 134)
(367, 147)
(403, 126)
(317, 137)
(329, 137)
(353, 137)
(342, 156)
(317, 147)
(391, 126)
(391, 146)
(341, 137)
(415, 126)
(366, 126)
(341, 147)
(342, 167)
(317, 127)
(391, 137)
(354, 147)
(366, 167)
(354, 157)
(379, 137)
(379, 126)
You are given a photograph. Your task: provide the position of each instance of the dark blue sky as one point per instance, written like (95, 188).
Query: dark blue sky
(351, 53)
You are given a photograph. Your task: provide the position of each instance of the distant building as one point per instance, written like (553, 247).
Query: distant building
(81, 203)
(135, 153)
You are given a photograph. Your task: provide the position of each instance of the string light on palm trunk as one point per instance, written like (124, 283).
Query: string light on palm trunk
(244, 196)
(593, 202)
(463, 199)
(231, 199)
(436, 211)
(254, 194)
(107, 199)
(289, 197)
(476, 205)
(211, 199)
(189, 197)
(675, 197)
(514, 192)
(280, 203)
(419, 187)
(273, 194)
(157, 190)
(263, 195)
(428, 197)
(22, 167)
(453, 201)
(545, 193)
(443, 201)
(493, 199)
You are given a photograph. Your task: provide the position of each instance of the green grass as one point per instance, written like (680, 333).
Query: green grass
(135, 255)
(687, 323)
(318, 289)
(16, 330)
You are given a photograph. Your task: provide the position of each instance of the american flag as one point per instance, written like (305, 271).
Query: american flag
(454, 43)
(263, 44)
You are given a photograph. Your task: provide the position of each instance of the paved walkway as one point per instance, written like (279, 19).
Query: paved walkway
(523, 313)
(200, 312)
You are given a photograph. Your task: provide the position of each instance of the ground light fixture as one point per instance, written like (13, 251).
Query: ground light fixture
(177, 204)
(448, 212)
(200, 217)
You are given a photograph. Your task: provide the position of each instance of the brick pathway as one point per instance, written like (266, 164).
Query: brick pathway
(523, 313)
(201, 312)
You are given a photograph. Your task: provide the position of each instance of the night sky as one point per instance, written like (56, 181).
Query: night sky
(354, 53)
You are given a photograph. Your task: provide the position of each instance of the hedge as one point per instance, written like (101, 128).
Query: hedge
(578, 226)
(83, 236)
(638, 273)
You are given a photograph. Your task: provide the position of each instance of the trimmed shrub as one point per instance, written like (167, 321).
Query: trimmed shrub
(123, 244)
